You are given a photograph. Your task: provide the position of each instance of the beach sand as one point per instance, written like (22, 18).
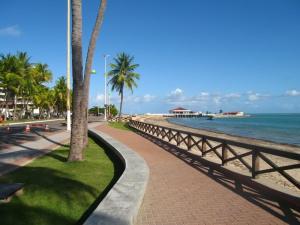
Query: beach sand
(274, 178)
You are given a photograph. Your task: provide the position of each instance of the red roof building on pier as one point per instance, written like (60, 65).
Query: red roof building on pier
(180, 110)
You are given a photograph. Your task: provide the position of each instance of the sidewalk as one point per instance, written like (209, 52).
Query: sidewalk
(19, 153)
(183, 191)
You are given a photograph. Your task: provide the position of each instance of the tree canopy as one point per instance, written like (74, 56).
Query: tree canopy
(23, 85)
(123, 75)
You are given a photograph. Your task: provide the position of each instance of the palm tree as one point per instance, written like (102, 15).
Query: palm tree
(24, 74)
(60, 90)
(11, 72)
(41, 73)
(123, 75)
(81, 81)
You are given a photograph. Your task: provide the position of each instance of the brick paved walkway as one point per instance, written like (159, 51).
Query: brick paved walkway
(181, 194)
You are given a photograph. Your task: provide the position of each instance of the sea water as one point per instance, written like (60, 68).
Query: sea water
(280, 128)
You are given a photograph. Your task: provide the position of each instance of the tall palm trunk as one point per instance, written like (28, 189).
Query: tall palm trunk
(81, 85)
(88, 68)
(15, 107)
(6, 105)
(121, 105)
(76, 146)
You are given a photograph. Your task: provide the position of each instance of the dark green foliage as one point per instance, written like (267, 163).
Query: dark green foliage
(95, 110)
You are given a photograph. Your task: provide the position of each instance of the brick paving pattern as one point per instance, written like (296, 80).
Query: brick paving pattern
(181, 194)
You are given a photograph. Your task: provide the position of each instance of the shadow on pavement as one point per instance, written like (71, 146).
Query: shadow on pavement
(16, 136)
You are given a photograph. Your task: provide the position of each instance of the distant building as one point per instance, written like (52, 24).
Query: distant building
(181, 111)
(10, 102)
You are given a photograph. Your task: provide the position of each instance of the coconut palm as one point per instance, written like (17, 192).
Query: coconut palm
(11, 72)
(123, 76)
(60, 90)
(81, 81)
(41, 73)
(44, 100)
(25, 79)
(21, 80)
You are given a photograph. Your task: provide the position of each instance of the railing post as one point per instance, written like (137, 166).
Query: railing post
(203, 146)
(255, 164)
(189, 142)
(177, 138)
(224, 154)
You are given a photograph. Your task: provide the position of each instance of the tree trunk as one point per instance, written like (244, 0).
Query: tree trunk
(6, 105)
(81, 86)
(121, 104)
(88, 68)
(15, 107)
(76, 147)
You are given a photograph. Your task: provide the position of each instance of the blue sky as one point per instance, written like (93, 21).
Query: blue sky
(200, 54)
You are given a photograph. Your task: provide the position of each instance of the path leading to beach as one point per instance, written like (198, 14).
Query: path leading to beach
(183, 191)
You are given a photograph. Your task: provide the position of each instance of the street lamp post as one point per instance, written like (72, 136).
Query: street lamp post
(105, 84)
(108, 100)
(68, 67)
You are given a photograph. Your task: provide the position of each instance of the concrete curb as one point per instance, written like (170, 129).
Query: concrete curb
(121, 205)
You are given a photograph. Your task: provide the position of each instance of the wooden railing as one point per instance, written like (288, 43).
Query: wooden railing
(256, 159)
(116, 119)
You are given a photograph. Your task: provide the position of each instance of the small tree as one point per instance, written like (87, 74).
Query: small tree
(113, 110)
(123, 76)
(60, 90)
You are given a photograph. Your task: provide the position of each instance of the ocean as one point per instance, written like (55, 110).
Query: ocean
(275, 127)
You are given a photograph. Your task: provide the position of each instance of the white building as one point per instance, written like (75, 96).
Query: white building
(181, 111)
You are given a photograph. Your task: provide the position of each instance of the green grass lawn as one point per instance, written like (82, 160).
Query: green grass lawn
(59, 192)
(120, 125)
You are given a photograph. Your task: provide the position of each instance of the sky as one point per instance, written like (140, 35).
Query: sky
(204, 55)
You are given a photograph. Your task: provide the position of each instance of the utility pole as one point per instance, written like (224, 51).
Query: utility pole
(105, 84)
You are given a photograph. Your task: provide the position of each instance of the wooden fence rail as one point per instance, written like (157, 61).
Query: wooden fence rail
(250, 156)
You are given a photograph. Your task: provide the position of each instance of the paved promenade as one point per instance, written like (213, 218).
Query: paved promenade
(183, 191)
(17, 149)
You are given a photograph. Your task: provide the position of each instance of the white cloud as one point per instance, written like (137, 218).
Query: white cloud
(176, 97)
(292, 93)
(204, 94)
(217, 99)
(207, 100)
(148, 98)
(253, 97)
(177, 92)
(100, 98)
(11, 31)
(136, 99)
(232, 95)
